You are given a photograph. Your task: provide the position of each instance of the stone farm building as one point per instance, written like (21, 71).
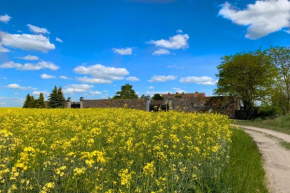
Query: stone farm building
(189, 102)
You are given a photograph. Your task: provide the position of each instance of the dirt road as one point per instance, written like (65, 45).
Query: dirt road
(276, 158)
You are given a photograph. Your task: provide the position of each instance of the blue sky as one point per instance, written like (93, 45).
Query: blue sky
(92, 48)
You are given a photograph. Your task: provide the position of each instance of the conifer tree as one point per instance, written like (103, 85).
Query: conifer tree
(32, 102)
(27, 102)
(40, 101)
(52, 100)
(60, 98)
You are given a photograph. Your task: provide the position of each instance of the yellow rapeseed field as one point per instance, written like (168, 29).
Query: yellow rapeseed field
(110, 150)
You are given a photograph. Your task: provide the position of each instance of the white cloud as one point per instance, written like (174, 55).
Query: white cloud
(36, 29)
(29, 57)
(47, 76)
(17, 86)
(176, 42)
(95, 92)
(100, 73)
(26, 42)
(2, 49)
(77, 88)
(176, 67)
(58, 40)
(150, 87)
(179, 31)
(64, 77)
(204, 80)
(161, 52)
(179, 90)
(123, 51)
(162, 78)
(263, 17)
(37, 93)
(5, 18)
(132, 78)
(30, 66)
(94, 80)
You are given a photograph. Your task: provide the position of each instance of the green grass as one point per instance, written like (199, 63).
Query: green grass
(280, 124)
(244, 172)
(285, 144)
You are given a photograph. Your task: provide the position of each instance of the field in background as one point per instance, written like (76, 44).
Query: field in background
(122, 150)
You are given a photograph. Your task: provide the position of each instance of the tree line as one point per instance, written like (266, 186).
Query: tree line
(258, 78)
(55, 100)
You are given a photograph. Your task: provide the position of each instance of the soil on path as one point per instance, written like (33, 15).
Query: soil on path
(276, 158)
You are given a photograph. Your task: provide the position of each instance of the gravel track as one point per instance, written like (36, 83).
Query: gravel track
(276, 158)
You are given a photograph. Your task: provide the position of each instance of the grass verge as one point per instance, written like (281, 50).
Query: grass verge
(280, 124)
(244, 172)
(284, 144)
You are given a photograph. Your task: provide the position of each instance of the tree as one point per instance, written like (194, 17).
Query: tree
(60, 98)
(281, 58)
(143, 96)
(53, 98)
(157, 97)
(247, 76)
(40, 101)
(126, 92)
(32, 102)
(27, 102)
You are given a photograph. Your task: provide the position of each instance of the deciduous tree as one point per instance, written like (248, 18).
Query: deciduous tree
(281, 58)
(126, 92)
(247, 76)
(157, 97)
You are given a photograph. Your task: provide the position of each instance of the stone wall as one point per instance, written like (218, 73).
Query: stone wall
(115, 103)
(223, 105)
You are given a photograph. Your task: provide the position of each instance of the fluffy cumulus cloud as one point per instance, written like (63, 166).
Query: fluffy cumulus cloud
(26, 42)
(123, 51)
(47, 76)
(77, 88)
(64, 77)
(5, 18)
(36, 29)
(179, 41)
(95, 92)
(58, 40)
(150, 87)
(204, 80)
(100, 74)
(17, 86)
(162, 78)
(161, 51)
(37, 93)
(263, 17)
(132, 78)
(93, 80)
(179, 90)
(29, 57)
(30, 66)
(179, 31)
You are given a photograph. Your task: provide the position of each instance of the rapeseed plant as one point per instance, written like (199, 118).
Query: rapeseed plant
(110, 150)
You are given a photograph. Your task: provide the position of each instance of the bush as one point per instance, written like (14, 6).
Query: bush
(269, 111)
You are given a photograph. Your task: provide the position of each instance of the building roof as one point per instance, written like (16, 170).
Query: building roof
(184, 95)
